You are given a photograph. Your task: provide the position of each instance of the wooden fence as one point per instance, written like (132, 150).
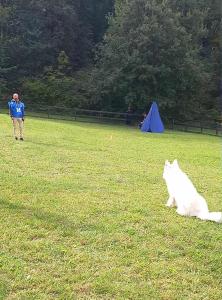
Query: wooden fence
(54, 112)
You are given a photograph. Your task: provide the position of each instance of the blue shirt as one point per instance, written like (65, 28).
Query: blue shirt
(17, 109)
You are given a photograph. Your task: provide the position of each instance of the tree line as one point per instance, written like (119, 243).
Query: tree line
(106, 54)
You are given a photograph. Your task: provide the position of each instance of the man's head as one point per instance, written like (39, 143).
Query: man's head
(16, 97)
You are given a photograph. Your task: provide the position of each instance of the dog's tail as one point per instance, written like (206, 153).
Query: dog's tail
(212, 216)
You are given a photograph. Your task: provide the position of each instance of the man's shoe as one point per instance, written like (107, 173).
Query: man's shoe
(16, 138)
(21, 139)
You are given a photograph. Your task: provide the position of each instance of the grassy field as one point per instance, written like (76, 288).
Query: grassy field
(83, 216)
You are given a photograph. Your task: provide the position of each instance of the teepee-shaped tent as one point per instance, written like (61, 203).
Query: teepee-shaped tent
(153, 122)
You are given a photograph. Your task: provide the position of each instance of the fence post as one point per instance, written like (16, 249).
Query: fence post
(75, 116)
(173, 123)
(201, 127)
(48, 112)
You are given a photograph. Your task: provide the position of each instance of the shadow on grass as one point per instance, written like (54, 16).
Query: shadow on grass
(41, 143)
(51, 220)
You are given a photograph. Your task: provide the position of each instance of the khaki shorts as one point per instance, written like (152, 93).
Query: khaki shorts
(18, 127)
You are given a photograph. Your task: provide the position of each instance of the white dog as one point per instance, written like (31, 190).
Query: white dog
(184, 196)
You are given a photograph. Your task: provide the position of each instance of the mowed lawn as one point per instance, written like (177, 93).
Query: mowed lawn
(83, 216)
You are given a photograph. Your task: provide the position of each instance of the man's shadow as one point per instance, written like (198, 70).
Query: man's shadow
(55, 221)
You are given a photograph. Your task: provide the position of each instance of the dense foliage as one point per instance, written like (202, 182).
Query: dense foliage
(108, 54)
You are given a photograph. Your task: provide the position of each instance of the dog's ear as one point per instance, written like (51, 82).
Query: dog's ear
(167, 163)
(175, 163)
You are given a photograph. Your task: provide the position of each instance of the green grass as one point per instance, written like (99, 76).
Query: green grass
(83, 216)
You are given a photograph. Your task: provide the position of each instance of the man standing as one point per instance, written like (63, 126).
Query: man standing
(17, 112)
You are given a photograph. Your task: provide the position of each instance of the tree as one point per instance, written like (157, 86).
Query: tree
(33, 33)
(151, 52)
(6, 68)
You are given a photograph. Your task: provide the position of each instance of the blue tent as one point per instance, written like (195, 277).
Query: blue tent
(153, 122)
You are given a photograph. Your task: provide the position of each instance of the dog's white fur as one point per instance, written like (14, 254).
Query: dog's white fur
(184, 196)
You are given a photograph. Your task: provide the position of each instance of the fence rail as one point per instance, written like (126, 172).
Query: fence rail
(76, 114)
(204, 127)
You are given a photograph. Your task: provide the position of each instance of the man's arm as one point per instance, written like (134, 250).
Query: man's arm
(23, 112)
